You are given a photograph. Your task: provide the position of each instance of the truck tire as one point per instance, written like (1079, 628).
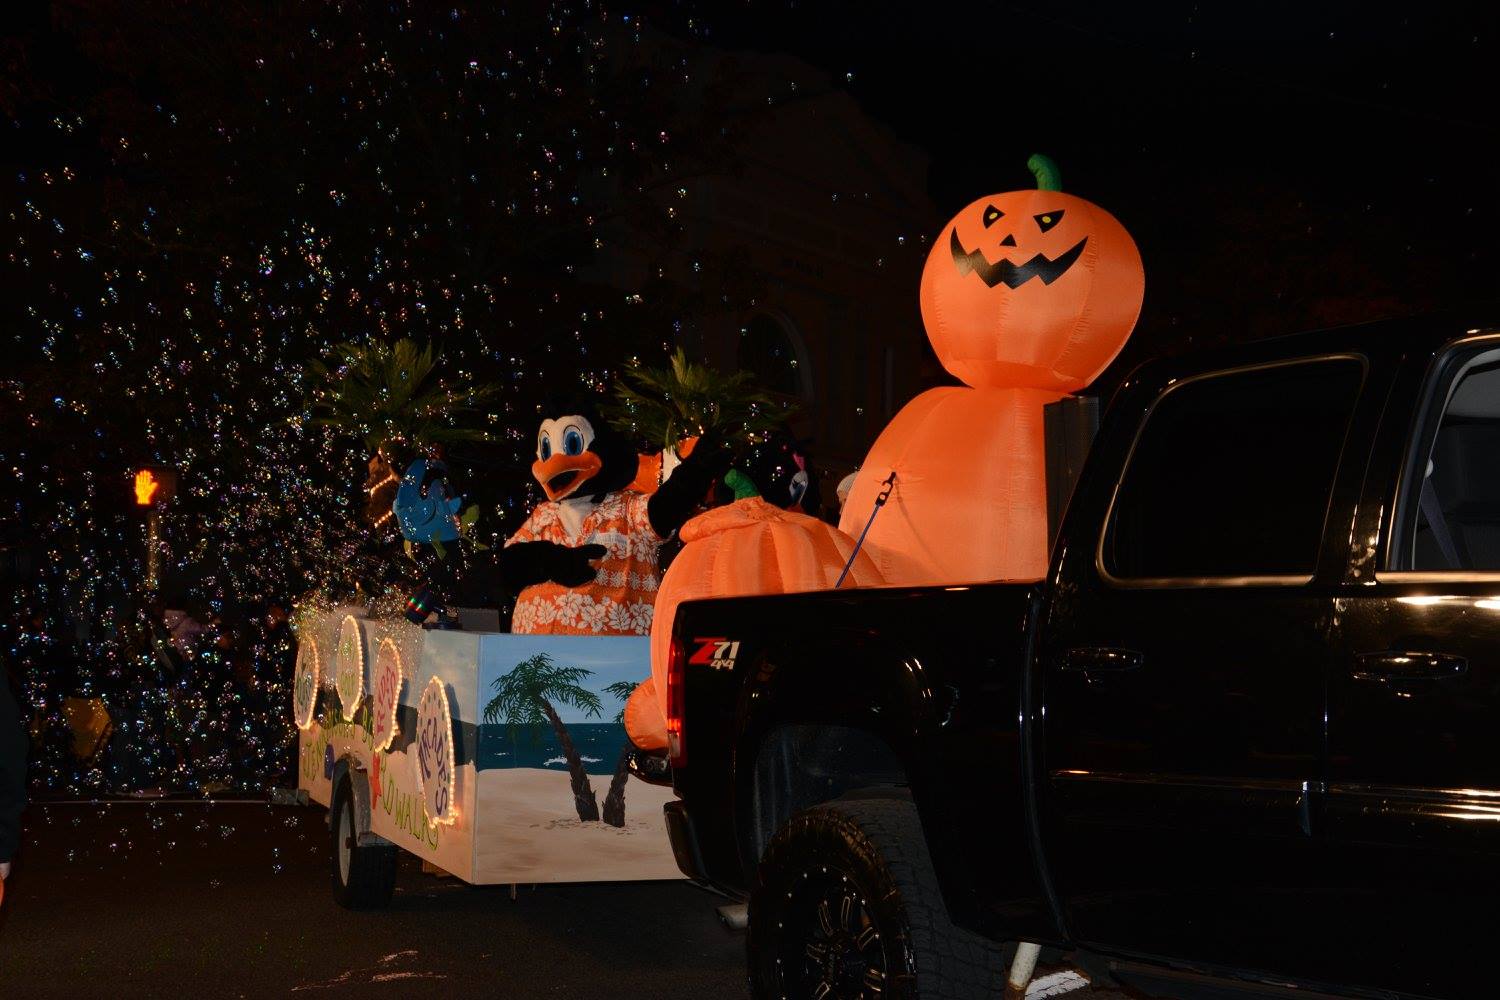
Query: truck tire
(364, 875)
(847, 905)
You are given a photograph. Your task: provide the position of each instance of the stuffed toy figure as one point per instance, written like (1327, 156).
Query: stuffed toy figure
(424, 506)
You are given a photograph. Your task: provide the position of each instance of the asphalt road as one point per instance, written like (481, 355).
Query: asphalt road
(156, 899)
(233, 900)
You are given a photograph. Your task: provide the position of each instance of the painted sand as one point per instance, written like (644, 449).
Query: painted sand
(528, 831)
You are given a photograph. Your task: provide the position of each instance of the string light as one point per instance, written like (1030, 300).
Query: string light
(305, 683)
(386, 679)
(349, 665)
(437, 772)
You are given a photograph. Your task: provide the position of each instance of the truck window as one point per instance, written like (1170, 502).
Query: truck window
(1449, 510)
(1231, 475)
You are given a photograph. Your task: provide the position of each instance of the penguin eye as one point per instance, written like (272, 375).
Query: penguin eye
(544, 448)
(572, 441)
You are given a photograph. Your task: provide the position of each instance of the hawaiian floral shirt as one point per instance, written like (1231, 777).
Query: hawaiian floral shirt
(621, 598)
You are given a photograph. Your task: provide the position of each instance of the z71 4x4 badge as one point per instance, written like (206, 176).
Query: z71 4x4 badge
(717, 652)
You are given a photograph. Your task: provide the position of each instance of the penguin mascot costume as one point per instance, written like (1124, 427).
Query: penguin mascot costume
(585, 561)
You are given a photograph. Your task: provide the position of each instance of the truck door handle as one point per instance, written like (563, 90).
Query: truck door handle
(1098, 659)
(1407, 665)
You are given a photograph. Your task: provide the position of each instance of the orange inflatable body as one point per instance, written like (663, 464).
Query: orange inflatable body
(970, 499)
(1026, 296)
(644, 722)
(747, 547)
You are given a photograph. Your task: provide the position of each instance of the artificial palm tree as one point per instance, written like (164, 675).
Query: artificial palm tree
(386, 395)
(614, 801)
(525, 697)
(666, 405)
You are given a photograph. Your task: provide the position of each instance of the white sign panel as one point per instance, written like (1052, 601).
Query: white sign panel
(435, 768)
(350, 662)
(385, 691)
(305, 682)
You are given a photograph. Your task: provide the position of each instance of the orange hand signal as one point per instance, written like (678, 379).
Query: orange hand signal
(145, 487)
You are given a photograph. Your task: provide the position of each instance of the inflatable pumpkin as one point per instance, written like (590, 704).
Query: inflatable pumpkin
(1034, 289)
(746, 547)
(1026, 297)
(644, 722)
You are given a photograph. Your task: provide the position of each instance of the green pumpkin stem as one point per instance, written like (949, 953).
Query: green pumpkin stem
(1048, 177)
(741, 484)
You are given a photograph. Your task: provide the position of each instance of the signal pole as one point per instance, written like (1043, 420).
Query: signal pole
(154, 486)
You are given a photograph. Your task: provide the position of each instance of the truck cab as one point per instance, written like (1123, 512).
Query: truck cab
(1242, 730)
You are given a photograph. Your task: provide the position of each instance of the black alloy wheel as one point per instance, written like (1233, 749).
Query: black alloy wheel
(843, 947)
(847, 907)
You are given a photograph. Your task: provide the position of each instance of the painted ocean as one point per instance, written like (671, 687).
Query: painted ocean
(598, 744)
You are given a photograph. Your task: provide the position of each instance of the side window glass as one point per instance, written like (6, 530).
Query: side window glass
(1450, 504)
(1231, 474)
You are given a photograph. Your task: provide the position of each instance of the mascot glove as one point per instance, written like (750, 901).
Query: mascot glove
(526, 563)
(677, 499)
(572, 565)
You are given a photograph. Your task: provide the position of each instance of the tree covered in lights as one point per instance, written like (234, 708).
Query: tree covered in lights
(203, 200)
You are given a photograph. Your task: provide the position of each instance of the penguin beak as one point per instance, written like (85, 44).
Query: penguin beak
(561, 475)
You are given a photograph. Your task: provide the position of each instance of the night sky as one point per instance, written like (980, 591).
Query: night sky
(1282, 166)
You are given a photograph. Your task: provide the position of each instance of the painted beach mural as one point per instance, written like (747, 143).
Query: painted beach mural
(538, 789)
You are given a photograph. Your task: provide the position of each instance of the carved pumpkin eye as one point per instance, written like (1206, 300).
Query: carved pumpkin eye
(992, 215)
(1047, 220)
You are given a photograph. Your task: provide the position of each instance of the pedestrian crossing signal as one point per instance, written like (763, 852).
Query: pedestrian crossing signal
(154, 485)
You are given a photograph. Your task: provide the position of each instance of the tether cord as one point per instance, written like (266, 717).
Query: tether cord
(885, 494)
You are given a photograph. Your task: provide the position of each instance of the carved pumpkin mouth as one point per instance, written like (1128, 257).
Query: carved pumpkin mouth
(1049, 269)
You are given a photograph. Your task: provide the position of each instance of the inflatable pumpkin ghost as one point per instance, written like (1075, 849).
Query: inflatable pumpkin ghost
(746, 547)
(1026, 297)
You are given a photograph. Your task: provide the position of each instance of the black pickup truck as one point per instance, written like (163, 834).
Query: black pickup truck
(1243, 740)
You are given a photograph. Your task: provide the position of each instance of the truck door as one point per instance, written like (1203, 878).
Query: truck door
(1182, 663)
(1413, 808)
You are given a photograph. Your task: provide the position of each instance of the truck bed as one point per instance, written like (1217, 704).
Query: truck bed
(824, 704)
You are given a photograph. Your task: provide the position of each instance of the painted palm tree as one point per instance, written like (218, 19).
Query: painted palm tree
(526, 697)
(614, 801)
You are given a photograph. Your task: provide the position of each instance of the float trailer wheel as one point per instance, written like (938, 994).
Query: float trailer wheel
(364, 875)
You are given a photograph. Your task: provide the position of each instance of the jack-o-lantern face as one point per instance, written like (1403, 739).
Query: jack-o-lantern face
(1031, 289)
(1006, 272)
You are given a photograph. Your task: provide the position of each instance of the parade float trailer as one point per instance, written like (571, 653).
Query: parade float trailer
(496, 757)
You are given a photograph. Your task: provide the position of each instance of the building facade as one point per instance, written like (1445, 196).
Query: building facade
(831, 246)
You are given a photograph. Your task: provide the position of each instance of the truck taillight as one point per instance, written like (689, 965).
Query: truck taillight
(676, 702)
